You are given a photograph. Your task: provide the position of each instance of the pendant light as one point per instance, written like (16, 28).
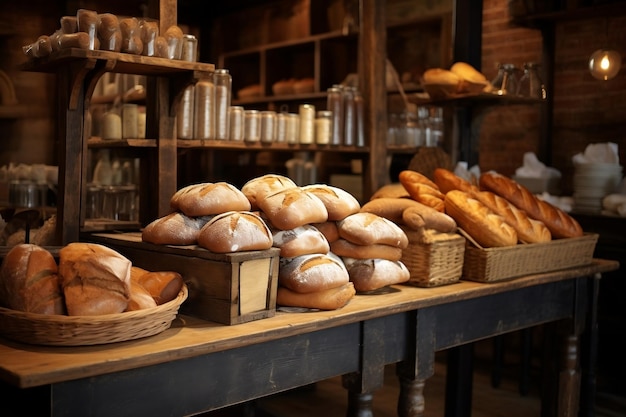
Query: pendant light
(605, 63)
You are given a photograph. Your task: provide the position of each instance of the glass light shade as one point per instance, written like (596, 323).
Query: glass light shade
(604, 64)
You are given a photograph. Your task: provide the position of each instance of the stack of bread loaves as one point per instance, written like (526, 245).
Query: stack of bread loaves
(90, 279)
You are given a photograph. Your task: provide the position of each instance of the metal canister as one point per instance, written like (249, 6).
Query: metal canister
(293, 128)
(236, 120)
(252, 131)
(190, 48)
(204, 117)
(268, 126)
(307, 123)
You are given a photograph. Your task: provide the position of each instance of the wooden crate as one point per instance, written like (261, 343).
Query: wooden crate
(227, 288)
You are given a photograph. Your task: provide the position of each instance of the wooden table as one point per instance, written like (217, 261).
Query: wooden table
(197, 366)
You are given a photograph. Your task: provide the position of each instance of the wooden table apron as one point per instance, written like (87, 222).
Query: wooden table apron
(198, 366)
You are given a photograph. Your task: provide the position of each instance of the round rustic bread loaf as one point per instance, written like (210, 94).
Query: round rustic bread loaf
(311, 273)
(373, 274)
(330, 299)
(163, 286)
(293, 207)
(369, 229)
(259, 187)
(235, 231)
(174, 229)
(339, 203)
(211, 199)
(302, 240)
(342, 247)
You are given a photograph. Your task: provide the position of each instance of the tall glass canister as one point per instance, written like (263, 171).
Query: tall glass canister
(334, 103)
(223, 82)
(204, 117)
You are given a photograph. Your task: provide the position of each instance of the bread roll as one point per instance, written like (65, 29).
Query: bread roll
(487, 228)
(422, 189)
(447, 180)
(330, 299)
(140, 298)
(419, 214)
(95, 279)
(369, 229)
(174, 229)
(293, 207)
(302, 240)
(339, 203)
(328, 229)
(312, 273)
(163, 286)
(235, 231)
(344, 248)
(258, 188)
(211, 199)
(29, 281)
(560, 224)
(373, 274)
(528, 230)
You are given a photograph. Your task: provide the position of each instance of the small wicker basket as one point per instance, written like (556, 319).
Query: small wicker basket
(433, 258)
(57, 330)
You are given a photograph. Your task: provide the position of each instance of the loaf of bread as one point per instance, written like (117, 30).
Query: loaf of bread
(209, 199)
(345, 248)
(259, 187)
(447, 180)
(339, 203)
(29, 281)
(140, 298)
(373, 274)
(302, 240)
(163, 286)
(417, 216)
(328, 229)
(560, 224)
(487, 228)
(528, 230)
(311, 273)
(174, 229)
(472, 80)
(95, 279)
(369, 229)
(293, 207)
(235, 231)
(394, 190)
(329, 299)
(422, 189)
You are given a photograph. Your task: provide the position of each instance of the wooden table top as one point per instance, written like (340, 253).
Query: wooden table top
(26, 365)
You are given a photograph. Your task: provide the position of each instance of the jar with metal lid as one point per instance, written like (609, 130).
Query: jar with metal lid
(204, 115)
(268, 126)
(292, 135)
(281, 127)
(334, 103)
(323, 127)
(348, 116)
(190, 48)
(307, 123)
(252, 129)
(185, 114)
(236, 121)
(223, 82)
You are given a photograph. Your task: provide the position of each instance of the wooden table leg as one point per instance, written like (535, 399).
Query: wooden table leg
(411, 401)
(459, 381)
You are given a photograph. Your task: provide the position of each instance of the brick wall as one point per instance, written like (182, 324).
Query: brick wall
(585, 110)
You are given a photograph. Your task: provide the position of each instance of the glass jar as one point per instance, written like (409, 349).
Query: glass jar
(530, 85)
(292, 135)
(129, 121)
(204, 115)
(359, 119)
(185, 114)
(334, 103)
(307, 123)
(236, 122)
(268, 126)
(223, 82)
(323, 127)
(282, 119)
(349, 118)
(252, 126)
(190, 48)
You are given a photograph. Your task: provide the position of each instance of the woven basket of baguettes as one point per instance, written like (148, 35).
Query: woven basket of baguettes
(433, 258)
(61, 330)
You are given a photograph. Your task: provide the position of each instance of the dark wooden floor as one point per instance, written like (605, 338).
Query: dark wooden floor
(329, 399)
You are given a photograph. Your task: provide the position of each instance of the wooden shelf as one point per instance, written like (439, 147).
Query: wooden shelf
(259, 146)
(274, 99)
(485, 99)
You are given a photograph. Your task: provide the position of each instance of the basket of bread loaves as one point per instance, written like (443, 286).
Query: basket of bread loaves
(91, 295)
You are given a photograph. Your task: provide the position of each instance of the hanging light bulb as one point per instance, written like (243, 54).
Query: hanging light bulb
(604, 64)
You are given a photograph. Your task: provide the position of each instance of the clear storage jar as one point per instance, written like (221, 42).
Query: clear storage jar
(204, 115)
(223, 85)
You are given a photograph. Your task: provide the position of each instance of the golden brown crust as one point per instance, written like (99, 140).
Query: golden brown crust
(394, 210)
(369, 228)
(343, 247)
(422, 189)
(163, 286)
(235, 231)
(330, 299)
(447, 180)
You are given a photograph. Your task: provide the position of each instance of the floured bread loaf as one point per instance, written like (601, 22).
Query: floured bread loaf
(258, 188)
(302, 240)
(293, 207)
(174, 229)
(373, 274)
(312, 273)
(329, 299)
(210, 199)
(369, 228)
(95, 279)
(339, 203)
(235, 231)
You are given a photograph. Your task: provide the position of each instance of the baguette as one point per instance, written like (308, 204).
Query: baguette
(560, 224)
(418, 215)
(447, 180)
(487, 228)
(528, 230)
(422, 189)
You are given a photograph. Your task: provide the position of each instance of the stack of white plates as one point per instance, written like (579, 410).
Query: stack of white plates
(593, 181)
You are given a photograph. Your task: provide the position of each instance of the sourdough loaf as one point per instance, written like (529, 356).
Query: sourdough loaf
(369, 228)
(312, 273)
(329, 299)
(258, 188)
(235, 231)
(174, 229)
(373, 274)
(339, 203)
(293, 207)
(302, 240)
(209, 199)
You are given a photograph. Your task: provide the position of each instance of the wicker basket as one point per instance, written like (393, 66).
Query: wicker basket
(433, 258)
(496, 264)
(56, 330)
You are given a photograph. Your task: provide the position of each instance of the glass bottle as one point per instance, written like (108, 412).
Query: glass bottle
(505, 82)
(185, 114)
(530, 85)
(323, 127)
(334, 103)
(204, 117)
(307, 123)
(349, 119)
(359, 119)
(223, 81)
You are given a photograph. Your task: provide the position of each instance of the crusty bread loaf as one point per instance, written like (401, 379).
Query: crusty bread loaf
(235, 231)
(328, 229)
(447, 180)
(344, 248)
(181, 193)
(329, 299)
(302, 240)
(140, 298)
(259, 187)
(394, 190)
(339, 203)
(487, 228)
(560, 224)
(163, 286)
(472, 80)
(174, 229)
(210, 199)
(373, 274)
(422, 189)
(369, 229)
(528, 230)
(95, 279)
(418, 216)
(29, 281)
(440, 76)
(312, 273)
(293, 207)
